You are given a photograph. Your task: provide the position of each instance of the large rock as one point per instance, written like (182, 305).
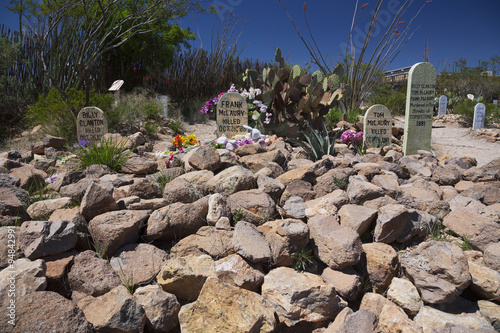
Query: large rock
(234, 270)
(294, 208)
(139, 166)
(347, 282)
(439, 270)
(300, 297)
(31, 178)
(338, 249)
(491, 256)
(258, 161)
(10, 203)
(255, 205)
(161, 308)
(47, 311)
(230, 180)
(21, 278)
(207, 240)
(43, 238)
(327, 204)
(485, 281)
(490, 311)
(181, 190)
(424, 195)
(250, 243)
(217, 208)
(184, 276)
(225, 308)
(205, 157)
(335, 179)
(360, 190)
(270, 186)
(138, 263)
(404, 294)
(285, 237)
(116, 311)
(144, 189)
(481, 231)
(42, 209)
(381, 265)
(394, 319)
(447, 175)
(112, 230)
(91, 276)
(81, 226)
(9, 250)
(299, 188)
(177, 220)
(391, 223)
(298, 174)
(98, 199)
(356, 217)
(57, 272)
(388, 183)
(431, 319)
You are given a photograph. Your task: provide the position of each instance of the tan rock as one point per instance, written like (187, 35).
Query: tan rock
(161, 308)
(300, 297)
(225, 308)
(234, 270)
(42, 209)
(327, 204)
(485, 281)
(360, 190)
(356, 217)
(297, 174)
(105, 312)
(250, 243)
(98, 199)
(30, 177)
(339, 249)
(391, 223)
(217, 208)
(26, 276)
(139, 165)
(490, 311)
(492, 256)
(347, 282)
(43, 238)
(230, 180)
(429, 318)
(394, 319)
(405, 295)
(389, 184)
(373, 303)
(184, 276)
(215, 242)
(256, 206)
(382, 265)
(9, 250)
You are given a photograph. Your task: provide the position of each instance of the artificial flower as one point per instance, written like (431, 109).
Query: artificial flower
(191, 139)
(178, 141)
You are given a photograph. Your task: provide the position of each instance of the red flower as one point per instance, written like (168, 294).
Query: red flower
(428, 1)
(304, 6)
(366, 4)
(400, 22)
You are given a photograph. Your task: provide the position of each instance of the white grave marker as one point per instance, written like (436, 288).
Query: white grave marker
(232, 113)
(443, 102)
(495, 101)
(115, 88)
(91, 124)
(479, 114)
(377, 127)
(164, 103)
(419, 108)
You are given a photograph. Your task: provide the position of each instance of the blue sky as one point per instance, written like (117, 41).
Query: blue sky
(454, 28)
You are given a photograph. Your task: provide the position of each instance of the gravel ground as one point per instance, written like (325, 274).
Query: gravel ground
(453, 140)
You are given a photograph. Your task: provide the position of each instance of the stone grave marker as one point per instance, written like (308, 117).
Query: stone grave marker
(479, 114)
(419, 108)
(495, 101)
(91, 124)
(443, 102)
(232, 113)
(163, 100)
(377, 127)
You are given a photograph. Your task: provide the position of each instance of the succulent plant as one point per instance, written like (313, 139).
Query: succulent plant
(295, 97)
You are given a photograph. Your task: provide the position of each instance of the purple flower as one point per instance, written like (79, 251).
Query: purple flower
(51, 178)
(245, 141)
(347, 136)
(82, 143)
(232, 89)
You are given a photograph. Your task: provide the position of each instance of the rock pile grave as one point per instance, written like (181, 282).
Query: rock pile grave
(419, 108)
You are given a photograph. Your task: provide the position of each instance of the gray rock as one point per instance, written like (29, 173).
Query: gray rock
(339, 249)
(391, 223)
(98, 199)
(356, 217)
(161, 308)
(205, 157)
(207, 240)
(256, 206)
(43, 238)
(347, 282)
(217, 208)
(230, 181)
(359, 190)
(270, 186)
(144, 189)
(23, 277)
(250, 243)
(139, 166)
(295, 208)
(234, 270)
(181, 190)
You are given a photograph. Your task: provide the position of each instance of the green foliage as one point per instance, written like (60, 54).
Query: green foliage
(465, 244)
(465, 108)
(341, 183)
(394, 99)
(437, 231)
(97, 246)
(138, 106)
(176, 126)
(334, 116)
(302, 259)
(107, 152)
(162, 179)
(238, 216)
(58, 115)
(319, 142)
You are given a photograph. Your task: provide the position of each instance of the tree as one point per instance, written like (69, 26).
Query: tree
(73, 36)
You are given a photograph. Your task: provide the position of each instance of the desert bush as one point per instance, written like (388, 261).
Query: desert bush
(58, 115)
(395, 100)
(107, 152)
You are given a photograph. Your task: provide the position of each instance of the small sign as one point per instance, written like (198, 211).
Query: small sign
(164, 103)
(91, 124)
(479, 115)
(419, 108)
(443, 103)
(116, 85)
(232, 113)
(377, 127)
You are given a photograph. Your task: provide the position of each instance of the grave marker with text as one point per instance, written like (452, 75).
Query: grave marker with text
(91, 124)
(419, 108)
(377, 127)
(443, 102)
(479, 114)
(232, 113)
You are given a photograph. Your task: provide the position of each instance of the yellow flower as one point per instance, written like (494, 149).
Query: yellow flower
(191, 139)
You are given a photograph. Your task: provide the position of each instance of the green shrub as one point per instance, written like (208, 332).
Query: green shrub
(138, 106)
(395, 100)
(302, 259)
(334, 116)
(466, 110)
(58, 115)
(107, 152)
(319, 142)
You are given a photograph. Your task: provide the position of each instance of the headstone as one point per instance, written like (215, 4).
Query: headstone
(419, 108)
(164, 103)
(377, 127)
(495, 101)
(232, 113)
(91, 124)
(479, 114)
(443, 102)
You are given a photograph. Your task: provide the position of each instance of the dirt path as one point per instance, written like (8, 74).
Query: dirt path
(453, 140)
